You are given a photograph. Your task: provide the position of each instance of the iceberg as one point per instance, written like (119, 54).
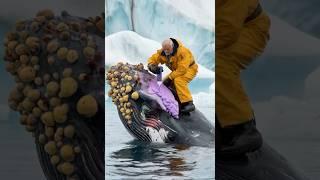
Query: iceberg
(128, 46)
(192, 22)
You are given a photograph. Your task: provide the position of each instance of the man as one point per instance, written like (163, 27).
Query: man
(242, 32)
(180, 61)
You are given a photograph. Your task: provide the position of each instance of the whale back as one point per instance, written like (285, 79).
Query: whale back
(194, 128)
(264, 164)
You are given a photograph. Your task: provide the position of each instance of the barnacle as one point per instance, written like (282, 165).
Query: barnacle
(33, 42)
(135, 95)
(47, 13)
(55, 159)
(52, 46)
(67, 153)
(27, 74)
(52, 88)
(50, 148)
(87, 106)
(68, 87)
(24, 59)
(67, 168)
(21, 49)
(72, 56)
(62, 53)
(33, 94)
(60, 113)
(89, 52)
(69, 131)
(47, 118)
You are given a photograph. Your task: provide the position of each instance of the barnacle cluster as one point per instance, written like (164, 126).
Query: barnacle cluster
(122, 78)
(58, 66)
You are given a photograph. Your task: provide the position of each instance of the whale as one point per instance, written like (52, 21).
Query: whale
(57, 61)
(263, 164)
(153, 115)
(150, 113)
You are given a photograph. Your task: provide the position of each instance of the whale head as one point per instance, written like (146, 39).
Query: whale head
(150, 111)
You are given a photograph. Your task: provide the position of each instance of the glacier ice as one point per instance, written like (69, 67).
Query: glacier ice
(192, 22)
(128, 46)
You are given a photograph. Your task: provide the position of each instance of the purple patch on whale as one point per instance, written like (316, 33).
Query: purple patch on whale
(159, 92)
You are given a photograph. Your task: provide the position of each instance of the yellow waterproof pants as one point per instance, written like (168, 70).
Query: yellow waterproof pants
(232, 104)
(181, 84)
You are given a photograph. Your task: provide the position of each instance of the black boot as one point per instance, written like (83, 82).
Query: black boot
(187, 107)
(237, 140)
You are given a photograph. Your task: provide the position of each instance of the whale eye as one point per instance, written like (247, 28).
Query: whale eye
(195, 134)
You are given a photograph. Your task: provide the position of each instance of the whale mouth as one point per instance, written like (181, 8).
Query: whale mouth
(146, 125)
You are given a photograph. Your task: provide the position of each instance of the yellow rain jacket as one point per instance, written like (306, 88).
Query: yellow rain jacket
(182, 65)
(242, 32)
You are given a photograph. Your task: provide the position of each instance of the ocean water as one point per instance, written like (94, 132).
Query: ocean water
(127, 158)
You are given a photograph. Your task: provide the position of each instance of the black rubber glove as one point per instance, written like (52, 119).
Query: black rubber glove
(154, 69)
(167, 82)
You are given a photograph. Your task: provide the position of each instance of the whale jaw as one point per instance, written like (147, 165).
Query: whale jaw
(158, 136)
